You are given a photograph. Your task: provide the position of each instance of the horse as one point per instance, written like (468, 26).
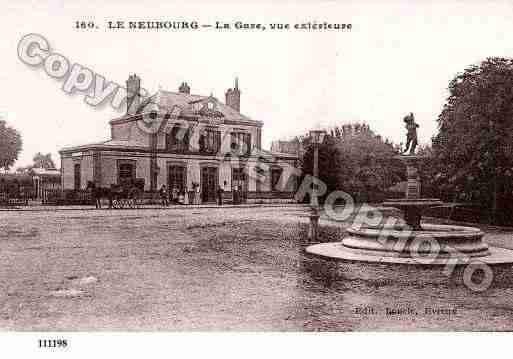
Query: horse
(119, 196)
(97, 193)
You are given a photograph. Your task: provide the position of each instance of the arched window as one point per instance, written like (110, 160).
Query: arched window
(177, 140)
(210, 141)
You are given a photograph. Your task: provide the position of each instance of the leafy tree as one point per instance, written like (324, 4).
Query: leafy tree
(431, 176)
(473, 147)
(43, 161)
(357, 161)
(328, 164)
(22, 169)
(10, 145)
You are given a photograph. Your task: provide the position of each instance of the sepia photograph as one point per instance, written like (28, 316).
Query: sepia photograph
(255, 167)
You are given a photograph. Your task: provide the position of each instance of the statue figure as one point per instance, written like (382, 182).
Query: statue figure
(411, 135)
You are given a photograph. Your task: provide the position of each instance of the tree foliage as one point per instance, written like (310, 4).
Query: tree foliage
(472, 151)
(43, 161)
(10, 145)
(358, 162)
(329, 157)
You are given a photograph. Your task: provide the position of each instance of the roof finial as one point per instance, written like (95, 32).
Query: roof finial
(236, 82)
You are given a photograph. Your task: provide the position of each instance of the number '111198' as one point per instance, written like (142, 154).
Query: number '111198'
(53, 343)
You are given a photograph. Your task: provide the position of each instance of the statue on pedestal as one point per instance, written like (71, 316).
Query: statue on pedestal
(411, 135)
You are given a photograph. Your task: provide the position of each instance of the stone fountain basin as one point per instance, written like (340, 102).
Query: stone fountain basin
(445, 240)
(456, 245)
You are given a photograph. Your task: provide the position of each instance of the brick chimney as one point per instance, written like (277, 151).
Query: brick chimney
(233, 96)
(133, 96)
(184, 88)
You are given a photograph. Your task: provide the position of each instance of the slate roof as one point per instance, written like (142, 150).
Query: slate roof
(110, 144)
(185, 101)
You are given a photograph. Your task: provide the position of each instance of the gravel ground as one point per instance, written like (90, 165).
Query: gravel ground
(207, 269)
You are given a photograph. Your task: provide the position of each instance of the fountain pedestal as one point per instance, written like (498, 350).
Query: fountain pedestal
(412, 205)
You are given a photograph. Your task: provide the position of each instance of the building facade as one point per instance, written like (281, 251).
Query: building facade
(184, 141)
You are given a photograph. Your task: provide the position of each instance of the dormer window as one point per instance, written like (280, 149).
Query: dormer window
(210, 105)
(196, 106)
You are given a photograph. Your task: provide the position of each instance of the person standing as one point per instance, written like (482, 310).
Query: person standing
(174, 195)
(220, 195)
(197, 195)
(236, 197)
(192, 197)
(111, 190)
(181, 197)
(186, 196)
(134, 196)
(164, 196)
(97, 196)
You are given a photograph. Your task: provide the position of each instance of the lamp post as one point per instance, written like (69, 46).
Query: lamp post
(317, 137)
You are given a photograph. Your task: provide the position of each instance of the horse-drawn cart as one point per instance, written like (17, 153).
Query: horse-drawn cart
(127, 195)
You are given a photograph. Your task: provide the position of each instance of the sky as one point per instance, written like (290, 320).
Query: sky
(398, 58)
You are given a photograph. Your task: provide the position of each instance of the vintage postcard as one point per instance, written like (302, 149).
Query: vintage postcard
(218, 166)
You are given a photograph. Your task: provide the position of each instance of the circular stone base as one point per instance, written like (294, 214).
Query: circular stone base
(339, 271)
(338, 251)
(392, 252)
(339, 263)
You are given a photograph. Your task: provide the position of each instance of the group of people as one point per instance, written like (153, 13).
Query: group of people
(180, 195)
(130, 196)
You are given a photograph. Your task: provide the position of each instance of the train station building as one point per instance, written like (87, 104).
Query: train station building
(183, 141)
